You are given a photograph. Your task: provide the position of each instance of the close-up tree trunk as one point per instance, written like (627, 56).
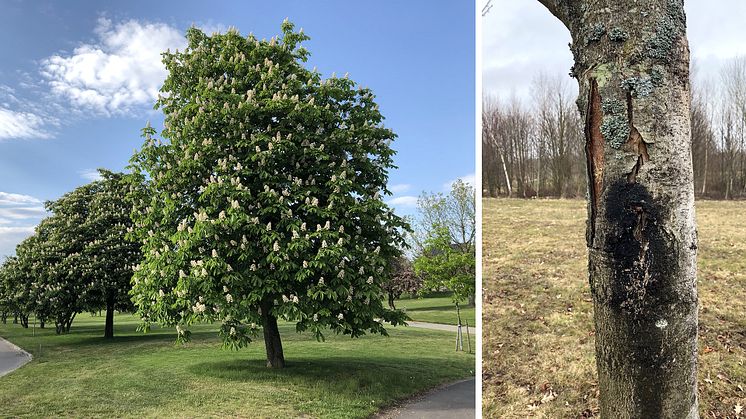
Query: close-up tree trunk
(632, 67)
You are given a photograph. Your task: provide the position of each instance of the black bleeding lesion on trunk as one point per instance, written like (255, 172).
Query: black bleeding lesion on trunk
(643, 255)
(642, 288)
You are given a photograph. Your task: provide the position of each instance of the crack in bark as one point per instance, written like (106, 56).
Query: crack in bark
(635, 144)
(594, 150)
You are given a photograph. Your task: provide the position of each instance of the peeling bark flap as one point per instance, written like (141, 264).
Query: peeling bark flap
(594, 150)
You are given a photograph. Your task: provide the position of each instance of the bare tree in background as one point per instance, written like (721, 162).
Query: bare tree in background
(533, 150)
(557, 132)
(493, 150)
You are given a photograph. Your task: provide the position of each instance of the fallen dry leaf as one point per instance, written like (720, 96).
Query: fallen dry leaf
(548, 396)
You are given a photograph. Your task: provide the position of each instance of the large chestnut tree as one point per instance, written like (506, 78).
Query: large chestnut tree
(263, 196)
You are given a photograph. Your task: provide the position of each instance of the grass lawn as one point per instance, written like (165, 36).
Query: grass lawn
(136, 375)
(538, 320)
(436, 310)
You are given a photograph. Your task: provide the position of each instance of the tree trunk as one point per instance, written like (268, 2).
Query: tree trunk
(70, 322)
(632, 66)
(42, 323)
(109, 327)
(391, 301)
(272, 342)
(704, 175)
(505, 173)
(24, 321)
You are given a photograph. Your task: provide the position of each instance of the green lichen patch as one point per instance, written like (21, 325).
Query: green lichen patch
(656, 76)
(602, 74)
(613, 107)
(639, 86)
(614, 127)
(615, 130)
(667, 30)
(618, 35)
(594, 35)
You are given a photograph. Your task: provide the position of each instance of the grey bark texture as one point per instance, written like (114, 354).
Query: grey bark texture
(632, 66)
(272, 340)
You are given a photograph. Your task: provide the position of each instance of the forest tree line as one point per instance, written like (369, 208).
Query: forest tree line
(537, 148)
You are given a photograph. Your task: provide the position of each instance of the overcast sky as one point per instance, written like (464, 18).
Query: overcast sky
(78, 80)
(521, 38)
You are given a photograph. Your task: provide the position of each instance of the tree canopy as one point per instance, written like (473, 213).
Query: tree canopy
(445, 241)
(263, 199)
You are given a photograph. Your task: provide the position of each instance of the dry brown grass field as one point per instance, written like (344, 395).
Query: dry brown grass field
(538, 347)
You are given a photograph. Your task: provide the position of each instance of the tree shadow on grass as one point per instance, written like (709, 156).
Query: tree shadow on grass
(144, 337)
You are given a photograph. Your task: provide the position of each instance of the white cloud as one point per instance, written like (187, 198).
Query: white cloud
(471, 179)
(22, 213)
(15, 124)
(121, 70)
(17, 211)
(17, 230)
(90, 175)
(14, 198)
(11, 236)
(403, 201)
(400, 188)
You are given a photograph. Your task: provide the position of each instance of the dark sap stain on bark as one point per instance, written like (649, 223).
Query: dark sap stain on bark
(645, 268)
(594, 151)
(644, 254)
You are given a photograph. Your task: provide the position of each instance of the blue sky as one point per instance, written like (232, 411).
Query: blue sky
(77, 82)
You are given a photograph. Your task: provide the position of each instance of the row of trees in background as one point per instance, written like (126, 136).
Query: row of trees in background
(78, 259)
(535, 150)
(538, 149)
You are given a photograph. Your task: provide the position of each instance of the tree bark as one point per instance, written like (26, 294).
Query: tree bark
(632, 67)
(704, 174)
(272, 342)
(109, 327)
(505, 173)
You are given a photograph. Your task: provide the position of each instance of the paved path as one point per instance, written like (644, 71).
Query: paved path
(454, 401)
(11, 357)
(438, 326)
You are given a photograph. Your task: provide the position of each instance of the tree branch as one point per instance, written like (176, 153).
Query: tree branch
(561, 9)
